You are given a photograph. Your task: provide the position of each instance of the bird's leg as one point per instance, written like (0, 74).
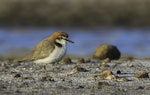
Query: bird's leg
(45, 71)
(56, 62)
(44, 67)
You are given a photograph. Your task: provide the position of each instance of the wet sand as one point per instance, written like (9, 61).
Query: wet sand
(72, 79)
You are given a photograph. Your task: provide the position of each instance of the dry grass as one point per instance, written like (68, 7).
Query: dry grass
(75, 12)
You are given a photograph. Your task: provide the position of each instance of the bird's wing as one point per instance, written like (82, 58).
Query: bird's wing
(42, 50)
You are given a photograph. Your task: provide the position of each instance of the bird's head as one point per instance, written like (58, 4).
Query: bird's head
(60, 38)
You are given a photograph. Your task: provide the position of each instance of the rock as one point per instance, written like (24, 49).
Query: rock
(106, 60)
(106, 74)
(101, 85)
(141, 75)
(47, 78)
(17, 75)
(80, 61)
(66, 61)
(80, 87)
(107, 51)
(80, 69)
(77, 69)
(140, 87)
(120, 79)
(118, 72)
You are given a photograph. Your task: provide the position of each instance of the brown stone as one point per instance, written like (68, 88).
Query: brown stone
(141, 75)
(80, 69)
(107, 51)
(80, 61)
(106, 74)
(66, 61)
(120, 79)
(101, 85)
(106, 60)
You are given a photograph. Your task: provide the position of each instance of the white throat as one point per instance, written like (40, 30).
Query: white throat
(62, 42)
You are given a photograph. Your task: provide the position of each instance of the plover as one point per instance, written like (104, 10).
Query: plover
(50, 50)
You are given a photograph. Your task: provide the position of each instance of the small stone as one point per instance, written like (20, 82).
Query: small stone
(106, 60)
(94, 77)
(141, 75)
(17, 75)
(131, 65)
(80, 69)
(110, 77)
(107, 74)
(118, 72)
(120, 79)
(47, 78)
(122, 89)
(72, 72)
(29, 78)
(80, 61)
(140, 87)
(66, 61)
(102, 84)
(80, 87)
(77, 69)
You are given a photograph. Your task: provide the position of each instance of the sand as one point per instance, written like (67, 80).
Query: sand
(72, 79)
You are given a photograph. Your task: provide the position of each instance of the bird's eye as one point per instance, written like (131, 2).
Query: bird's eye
(59, 38)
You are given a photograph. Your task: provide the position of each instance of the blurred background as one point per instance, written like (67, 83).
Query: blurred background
(90, 23)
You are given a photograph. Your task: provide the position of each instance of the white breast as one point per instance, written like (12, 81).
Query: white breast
(55, 56)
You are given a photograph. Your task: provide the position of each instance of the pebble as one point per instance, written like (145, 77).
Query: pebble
(66, 61)
(17, 75)
(141, 75)
(106, 74)
(80, 61)
(84, 79)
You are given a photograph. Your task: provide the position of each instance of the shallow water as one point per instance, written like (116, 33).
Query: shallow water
(129, 41)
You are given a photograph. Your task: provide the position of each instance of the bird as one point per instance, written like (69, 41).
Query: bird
(51, 50)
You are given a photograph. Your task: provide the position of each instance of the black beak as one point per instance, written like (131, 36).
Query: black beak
(69, 40)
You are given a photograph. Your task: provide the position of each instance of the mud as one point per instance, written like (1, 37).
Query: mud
(74, 79)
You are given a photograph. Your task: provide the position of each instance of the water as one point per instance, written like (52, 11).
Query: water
(129, 41)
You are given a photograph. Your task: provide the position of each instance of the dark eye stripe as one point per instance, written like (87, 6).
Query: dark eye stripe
(59, 38)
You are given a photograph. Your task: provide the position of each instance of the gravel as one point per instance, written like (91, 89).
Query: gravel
(74, 79)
